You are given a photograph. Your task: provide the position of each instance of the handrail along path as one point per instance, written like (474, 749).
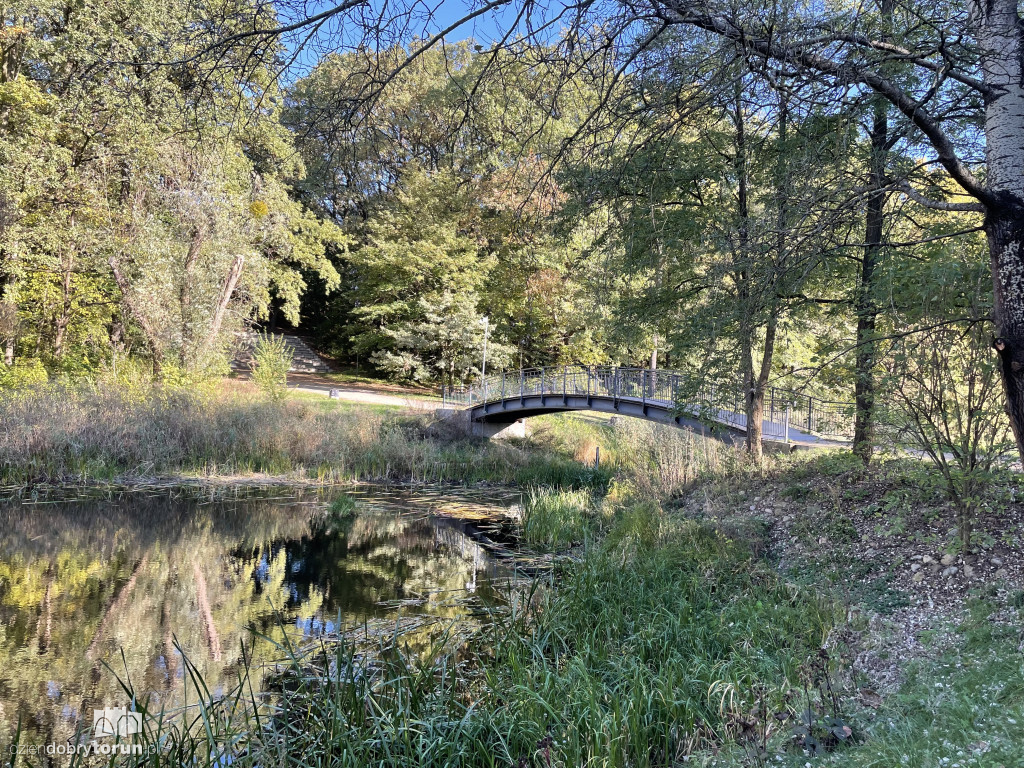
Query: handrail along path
(663, 395)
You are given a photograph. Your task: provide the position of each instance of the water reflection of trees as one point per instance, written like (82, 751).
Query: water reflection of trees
(81, 582)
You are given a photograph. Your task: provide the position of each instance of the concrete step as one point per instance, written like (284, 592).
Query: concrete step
(304, 358)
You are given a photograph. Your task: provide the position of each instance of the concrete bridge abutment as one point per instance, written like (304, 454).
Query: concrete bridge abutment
(461, 419)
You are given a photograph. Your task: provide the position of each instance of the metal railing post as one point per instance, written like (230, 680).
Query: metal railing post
(503, 384)
(542, 382)
(785, 424)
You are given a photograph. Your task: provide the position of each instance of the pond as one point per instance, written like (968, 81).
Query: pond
(134, 582)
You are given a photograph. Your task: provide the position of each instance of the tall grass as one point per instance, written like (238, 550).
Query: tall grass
(656, 647)
(554, 519)
(110, 432)
(656, 460)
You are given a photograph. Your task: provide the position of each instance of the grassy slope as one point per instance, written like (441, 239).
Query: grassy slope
(930, 664)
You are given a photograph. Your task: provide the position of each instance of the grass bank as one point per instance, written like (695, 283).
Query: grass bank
(98, 432)
(732, 618)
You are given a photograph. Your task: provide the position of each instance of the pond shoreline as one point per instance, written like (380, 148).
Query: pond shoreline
(181, 582)
(239, 482)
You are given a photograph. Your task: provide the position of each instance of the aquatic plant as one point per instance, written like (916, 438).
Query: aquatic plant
(555, 519)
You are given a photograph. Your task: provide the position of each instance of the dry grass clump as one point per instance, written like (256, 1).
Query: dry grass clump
(662, 461)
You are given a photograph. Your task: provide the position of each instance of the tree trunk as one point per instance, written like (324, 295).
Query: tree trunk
(152, 339)
(184, 297)
(8, 311)
(1000, 36)
(866, 308)
(64, 318)
(226, 292)
(753, 403)
(1005, 230)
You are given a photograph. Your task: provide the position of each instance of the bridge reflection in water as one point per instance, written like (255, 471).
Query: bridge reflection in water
(667, 396)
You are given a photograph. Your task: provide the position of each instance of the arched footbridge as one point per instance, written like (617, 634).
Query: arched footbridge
(661, 395)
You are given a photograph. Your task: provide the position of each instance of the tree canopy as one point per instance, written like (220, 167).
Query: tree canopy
(766, 194)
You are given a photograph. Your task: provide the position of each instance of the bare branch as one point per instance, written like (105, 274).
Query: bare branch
(937, 205)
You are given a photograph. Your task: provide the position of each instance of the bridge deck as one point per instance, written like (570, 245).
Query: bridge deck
(654, 395)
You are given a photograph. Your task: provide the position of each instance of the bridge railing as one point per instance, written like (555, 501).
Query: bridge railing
(783, 409)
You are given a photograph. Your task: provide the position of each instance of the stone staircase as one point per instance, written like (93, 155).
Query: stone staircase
(304, 359)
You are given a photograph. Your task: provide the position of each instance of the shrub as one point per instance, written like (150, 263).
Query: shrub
(26, 372)
(272, 358)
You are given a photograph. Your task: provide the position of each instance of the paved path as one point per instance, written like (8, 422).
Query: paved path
(356, 395)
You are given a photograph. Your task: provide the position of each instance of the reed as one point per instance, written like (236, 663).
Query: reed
(101, 432)
(553, 519)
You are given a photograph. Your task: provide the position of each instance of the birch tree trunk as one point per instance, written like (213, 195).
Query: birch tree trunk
(1000, 34)
(226, 292)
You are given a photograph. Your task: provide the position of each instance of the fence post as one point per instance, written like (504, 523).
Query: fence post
(503, 384)
(615, 385)
(785, 423)
(643, 387)
(565, 386)
(810, 406)
(542, 383)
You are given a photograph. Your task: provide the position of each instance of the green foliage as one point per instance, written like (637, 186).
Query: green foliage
(137, 212)
(272, 359)
(447, 228)
(25, 372)
(553, 520)
(343, 506)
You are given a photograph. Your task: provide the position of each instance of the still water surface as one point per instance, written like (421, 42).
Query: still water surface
(126, 582)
